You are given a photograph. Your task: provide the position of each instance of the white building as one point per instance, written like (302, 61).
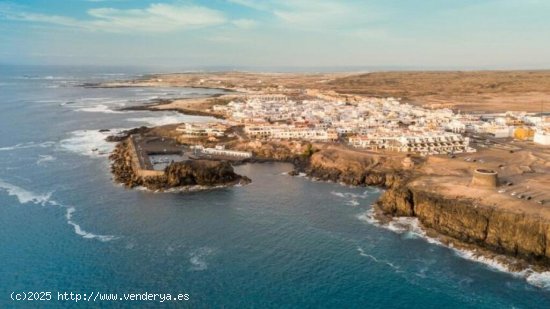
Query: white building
(421, 143)
(197, 130)
(542, 137)
(221, 151)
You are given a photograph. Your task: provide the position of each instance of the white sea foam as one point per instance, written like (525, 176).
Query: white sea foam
(353, 203)
(27, 145)
(79, 231)
(24, 197)
(89, 143)
(349, 195)
(368, 216)
(194, 188)
(375, 259)
(539, 279)
(44, 158)
(101, 108)
(411, 228)
(46, 101)
(197, 258)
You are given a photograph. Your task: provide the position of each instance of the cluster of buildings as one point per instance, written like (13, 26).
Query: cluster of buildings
(220, 151)
(518, 125)
(201, 130)
(373, 124)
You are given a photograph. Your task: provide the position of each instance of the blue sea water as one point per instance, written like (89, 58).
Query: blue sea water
(281, 241)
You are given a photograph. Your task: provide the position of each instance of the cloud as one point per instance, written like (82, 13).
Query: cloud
(245, 23)
(155, 18)
(257, 5)
(323, 13)
(314, 14)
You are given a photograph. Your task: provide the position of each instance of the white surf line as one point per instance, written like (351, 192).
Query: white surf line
(44, 158)
(412, 228)
(375, 259)
(26, 197)
(27, 145)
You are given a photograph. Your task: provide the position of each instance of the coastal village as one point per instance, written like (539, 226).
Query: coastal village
(371, 124)
(477, 177)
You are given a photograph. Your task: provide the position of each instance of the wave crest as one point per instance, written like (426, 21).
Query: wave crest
(24, 197)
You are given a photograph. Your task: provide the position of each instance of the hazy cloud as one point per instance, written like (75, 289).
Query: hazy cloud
(155, 18)
(245, 23)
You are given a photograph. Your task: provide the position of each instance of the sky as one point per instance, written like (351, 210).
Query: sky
(429, 34)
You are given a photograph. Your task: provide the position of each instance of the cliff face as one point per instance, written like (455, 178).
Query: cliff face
(513, 233)
(180, 174)
(508, 231)
(343, 166)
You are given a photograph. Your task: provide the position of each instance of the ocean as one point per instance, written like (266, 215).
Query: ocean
(279, 242)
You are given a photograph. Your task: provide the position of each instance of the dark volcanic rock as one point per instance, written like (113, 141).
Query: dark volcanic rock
(125, 134)
(180, 174)
(502, 231)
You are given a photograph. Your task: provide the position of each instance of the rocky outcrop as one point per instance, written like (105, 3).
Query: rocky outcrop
(339, 165)
(176, 175)
(510, 232)
(464, 221)
(125, 134)
(282, 151)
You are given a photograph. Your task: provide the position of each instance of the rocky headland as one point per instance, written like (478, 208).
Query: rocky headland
(204, 173)
(438, 191)
(440, 194)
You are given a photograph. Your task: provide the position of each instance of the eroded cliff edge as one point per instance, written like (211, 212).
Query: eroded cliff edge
(513, 232)
(439, 192)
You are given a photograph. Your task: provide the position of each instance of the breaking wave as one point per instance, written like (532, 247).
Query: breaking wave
(101, 108)
(411, 228)
(349, 195)
(27, 145)
(24, 197)
(89, 143)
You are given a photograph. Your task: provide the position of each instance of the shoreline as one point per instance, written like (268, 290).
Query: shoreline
(176, 176)
(393, 181)
(337, 164)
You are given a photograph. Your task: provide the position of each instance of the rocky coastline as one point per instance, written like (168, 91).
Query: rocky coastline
(204, 173)
(459, 222)
(511, 233)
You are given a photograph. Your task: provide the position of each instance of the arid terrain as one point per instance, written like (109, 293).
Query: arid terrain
(471, 91)
(488, 91)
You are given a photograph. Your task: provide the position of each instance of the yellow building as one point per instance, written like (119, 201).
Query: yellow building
(523, 133)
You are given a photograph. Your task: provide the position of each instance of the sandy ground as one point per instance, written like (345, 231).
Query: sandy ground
(527, 168)
(483, 91)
